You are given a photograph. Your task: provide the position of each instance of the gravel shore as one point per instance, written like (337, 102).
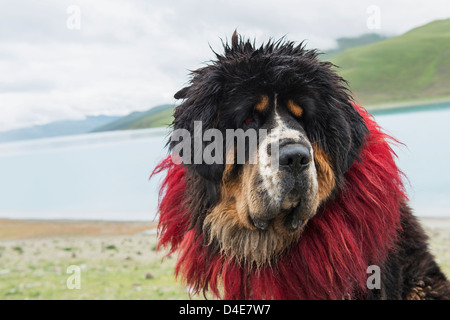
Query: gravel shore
(116, 260)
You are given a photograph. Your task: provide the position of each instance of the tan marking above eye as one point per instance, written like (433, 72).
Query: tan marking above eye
(294, 108)
(262, 104)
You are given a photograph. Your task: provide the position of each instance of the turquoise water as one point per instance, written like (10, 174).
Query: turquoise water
(105, 175)
(94, 176)
(424, 157)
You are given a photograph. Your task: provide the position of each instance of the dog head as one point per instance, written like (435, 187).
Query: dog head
(302, 135)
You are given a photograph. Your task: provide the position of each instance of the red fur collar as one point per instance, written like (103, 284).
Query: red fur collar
(355, 230)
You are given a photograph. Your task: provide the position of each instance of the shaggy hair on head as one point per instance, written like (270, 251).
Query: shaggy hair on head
(310, 228)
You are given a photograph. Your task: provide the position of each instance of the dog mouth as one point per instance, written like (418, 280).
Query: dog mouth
(290, 214)
(292, 220)
(261, 233)
(263, 212)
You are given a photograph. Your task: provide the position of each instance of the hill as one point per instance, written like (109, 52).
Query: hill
(351, 42)
(412, 66)
(58, 128)
(159, 116)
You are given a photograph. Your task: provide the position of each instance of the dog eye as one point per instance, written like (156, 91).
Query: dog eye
(249, 121)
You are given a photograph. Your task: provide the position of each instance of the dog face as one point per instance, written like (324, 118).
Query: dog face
(306, 135)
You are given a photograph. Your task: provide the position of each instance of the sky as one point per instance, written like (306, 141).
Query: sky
(63, 60)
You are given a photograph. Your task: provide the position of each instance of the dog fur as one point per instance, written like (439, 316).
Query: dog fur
(247, 231)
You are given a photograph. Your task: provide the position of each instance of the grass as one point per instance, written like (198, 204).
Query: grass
(161, 119)
(415, 65)
(159, 116)
(110, 268)
(117, 260)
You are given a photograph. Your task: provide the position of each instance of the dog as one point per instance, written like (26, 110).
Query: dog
(330, 221)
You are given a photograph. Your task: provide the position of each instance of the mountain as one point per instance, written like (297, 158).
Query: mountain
(412, 66)
(59, 128)
(159, 116)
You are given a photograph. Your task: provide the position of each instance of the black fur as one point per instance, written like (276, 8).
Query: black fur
(230, 86)
(222, 95)
(410, 271)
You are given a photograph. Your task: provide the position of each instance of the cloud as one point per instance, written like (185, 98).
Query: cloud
(133, 54)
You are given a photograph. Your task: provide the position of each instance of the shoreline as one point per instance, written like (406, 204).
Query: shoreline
(377, 108)
(114, 259)
(413, 105)
(15, 229)
(436, 223)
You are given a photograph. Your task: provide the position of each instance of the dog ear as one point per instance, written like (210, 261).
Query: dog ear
(199, 110)
(182, 94)
(347, 129)
(356, 129)
(339, 128)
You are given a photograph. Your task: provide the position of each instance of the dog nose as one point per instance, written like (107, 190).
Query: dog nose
(294, 156)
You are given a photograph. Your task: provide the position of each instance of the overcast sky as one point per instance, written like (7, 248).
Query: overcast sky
(68, 59)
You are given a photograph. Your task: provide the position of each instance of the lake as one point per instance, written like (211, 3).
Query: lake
(105, 176)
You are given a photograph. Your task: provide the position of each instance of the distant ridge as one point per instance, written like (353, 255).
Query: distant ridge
(351, 42)
(56, 129)
(158, 116)
(408, 68)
